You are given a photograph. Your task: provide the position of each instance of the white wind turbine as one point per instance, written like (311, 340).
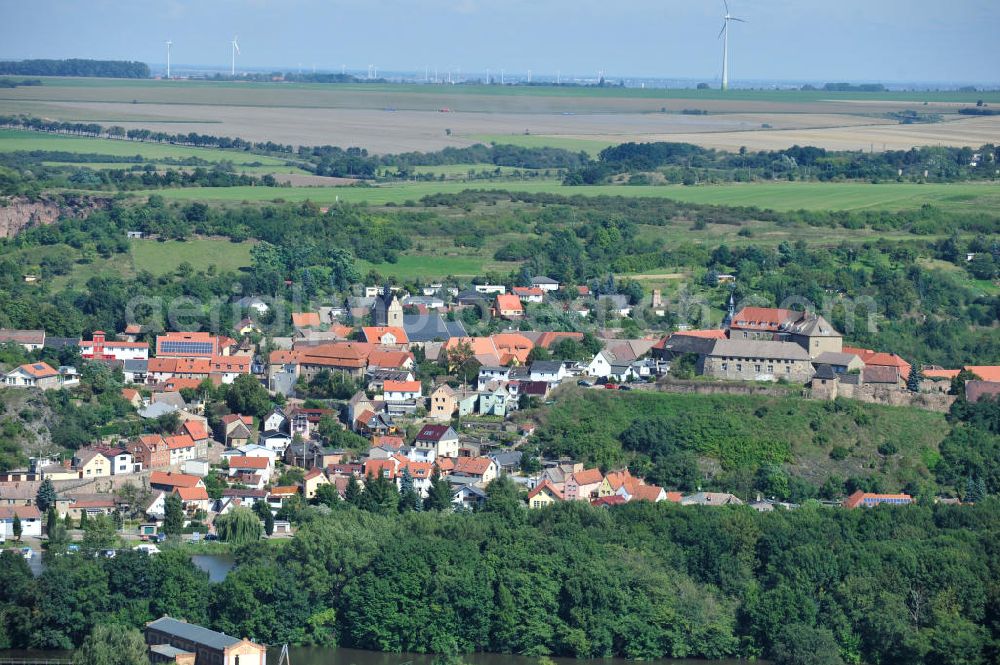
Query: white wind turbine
(169, 44)
(724, 33)
(236, 50)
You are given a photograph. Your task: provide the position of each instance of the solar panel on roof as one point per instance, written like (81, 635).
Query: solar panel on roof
(186, 347)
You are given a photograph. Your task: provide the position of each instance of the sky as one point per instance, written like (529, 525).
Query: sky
(782, 40)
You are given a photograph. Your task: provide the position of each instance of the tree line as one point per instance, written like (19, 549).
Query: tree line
(121, 69)
(888, 585)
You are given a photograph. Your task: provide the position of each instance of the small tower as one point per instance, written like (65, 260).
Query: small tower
(394, 314)
(730, 313)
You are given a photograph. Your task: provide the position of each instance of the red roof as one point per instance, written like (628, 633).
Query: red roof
(23, 512)
(388, 358)
(381, 467)
(528, 291)
(284, 490)
(192, 493)
(473, 466)
(179, 441)
(508, 303)
(588, 477)
(613, 500)
(305, 319)
(233, 417)
(374, 334)
(876, 358)
(195, 429)
(859, 497)
(545, 485)
(39, 370)
(761, 318)
(241, 462)
(547, 339)
(401, 387)
(675, 497)
(170, 479)
(940, 373)
(985, 372)
(313, 473)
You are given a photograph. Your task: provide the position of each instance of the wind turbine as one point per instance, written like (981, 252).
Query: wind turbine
(724, 33)
(169, 44)
(236, 50)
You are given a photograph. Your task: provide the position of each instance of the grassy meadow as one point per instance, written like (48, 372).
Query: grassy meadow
(769, 195)
(13, 140)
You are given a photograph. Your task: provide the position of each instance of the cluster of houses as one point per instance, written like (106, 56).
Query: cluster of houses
(248, 454)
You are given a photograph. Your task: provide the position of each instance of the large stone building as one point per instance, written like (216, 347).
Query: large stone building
(173, 641)
(807, 329)
(756, 360)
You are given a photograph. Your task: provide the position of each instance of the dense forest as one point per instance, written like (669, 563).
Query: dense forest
(811, 586)
(121, 69)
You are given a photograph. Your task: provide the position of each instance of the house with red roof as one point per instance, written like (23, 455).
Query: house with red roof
(386, 335)
(869, 500)
(167, 481)
(181, 447)
(305, 319)
(481, 469)
(544, 494)
(100, 348)
(241, 466)
(583, 485)
(33, 375)
(529, 294)
(193, 498)
(150, 451)
(401, 391)
(508, 306)
(311, 482)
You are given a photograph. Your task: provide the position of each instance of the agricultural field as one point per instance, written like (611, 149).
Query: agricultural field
(775, 196)
(12, 140)
(387, 118)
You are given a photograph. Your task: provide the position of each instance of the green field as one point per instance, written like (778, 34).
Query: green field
(158, 258)
(56, 88)
(12, 140)
(775, 196)
(589, 146)
(430, 266)
(163, 257)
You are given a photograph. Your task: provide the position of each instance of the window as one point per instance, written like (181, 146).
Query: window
(756, 368)
(770, 369)
(739, 367)
(725, 367)
(788, 369)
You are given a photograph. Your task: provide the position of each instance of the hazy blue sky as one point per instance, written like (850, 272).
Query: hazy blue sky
(888, 40)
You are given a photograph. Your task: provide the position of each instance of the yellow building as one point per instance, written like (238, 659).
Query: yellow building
(544, 494)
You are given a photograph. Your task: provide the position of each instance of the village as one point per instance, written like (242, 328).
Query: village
(460, 428)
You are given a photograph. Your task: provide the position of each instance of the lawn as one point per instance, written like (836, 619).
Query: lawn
(776, 196)
(163, 257)
(427, 266)
(12, 140)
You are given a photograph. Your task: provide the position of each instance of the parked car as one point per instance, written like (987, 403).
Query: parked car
(211, 536)
(585, 383)
(611, 386)
(148, 548)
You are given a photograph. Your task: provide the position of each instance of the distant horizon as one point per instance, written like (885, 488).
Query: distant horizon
(891, 41)
(182, 70)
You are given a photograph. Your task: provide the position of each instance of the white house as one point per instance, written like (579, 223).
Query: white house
(31, 521)
(277, 421)
(488, 374)
(442, 439)
(600, 366)
(120, 459)
(550, 371)
(401, 391)
(275, 440)
(545, 283)
(156, 508)
(490, 288)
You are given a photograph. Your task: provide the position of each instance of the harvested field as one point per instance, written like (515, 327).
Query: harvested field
(398, 118)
